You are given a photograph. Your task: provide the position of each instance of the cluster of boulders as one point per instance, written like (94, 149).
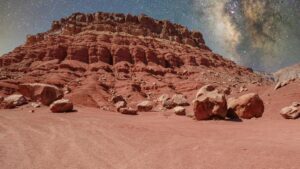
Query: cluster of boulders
(38, 94)
(177, 102)
(121, 105)
(211, 103)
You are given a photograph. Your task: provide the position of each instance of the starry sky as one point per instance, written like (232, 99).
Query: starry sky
(262, 34)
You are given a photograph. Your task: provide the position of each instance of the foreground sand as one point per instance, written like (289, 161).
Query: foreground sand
(90, 139)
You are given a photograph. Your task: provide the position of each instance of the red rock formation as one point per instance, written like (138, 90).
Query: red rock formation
(102, 54)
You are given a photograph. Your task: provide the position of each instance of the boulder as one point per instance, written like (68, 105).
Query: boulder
(145, 106)
(179, 110)
(61, 106)
(128, 111)
(209, 103)
(247, 106)
(291, 112)
(13, 101)
(44, 93)
(180, 100)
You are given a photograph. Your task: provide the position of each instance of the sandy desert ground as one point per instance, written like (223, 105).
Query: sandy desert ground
(91, 139)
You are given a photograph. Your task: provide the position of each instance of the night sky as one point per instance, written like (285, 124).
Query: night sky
(262, 34)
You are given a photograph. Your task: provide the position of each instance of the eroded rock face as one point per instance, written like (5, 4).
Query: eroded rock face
(209, 103)
(61, 106)
(44, 93)
(291, 112)
(247, 106)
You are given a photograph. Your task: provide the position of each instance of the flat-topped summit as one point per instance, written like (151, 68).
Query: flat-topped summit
(141, 25)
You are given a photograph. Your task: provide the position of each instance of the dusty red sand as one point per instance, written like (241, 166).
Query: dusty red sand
(91, 139)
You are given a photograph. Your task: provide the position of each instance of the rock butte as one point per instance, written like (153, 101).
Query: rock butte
(100, 55)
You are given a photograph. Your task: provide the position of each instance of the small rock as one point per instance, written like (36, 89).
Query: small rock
(145, 106)
(291, 112)
(66, 90)
(61, 106)
(36, 105)
(180, 100)
(13, 101)
(179, 110)
(128, 111)
(120, 104)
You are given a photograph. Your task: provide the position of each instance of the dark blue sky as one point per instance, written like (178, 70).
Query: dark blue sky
(262, 34)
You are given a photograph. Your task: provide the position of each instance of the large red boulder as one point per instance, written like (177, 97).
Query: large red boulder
(209, 103)
(44, 93)
(247, 106)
